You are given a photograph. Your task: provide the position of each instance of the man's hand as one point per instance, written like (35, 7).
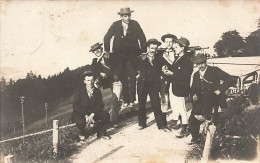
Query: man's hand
(143, 56)
(116, 78)
(164, 68)
(106, 55)
(195, 97)
(217, 92)
(103, 75)
(168, 72)
(91, 118)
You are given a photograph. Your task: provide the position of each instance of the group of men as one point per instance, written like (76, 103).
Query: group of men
(162, 72)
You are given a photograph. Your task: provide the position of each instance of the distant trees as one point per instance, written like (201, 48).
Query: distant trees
(252, 45)
(38, 91)
(231, 44)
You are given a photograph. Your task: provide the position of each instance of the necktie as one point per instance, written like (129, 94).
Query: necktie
(90, 92)
(151, 58)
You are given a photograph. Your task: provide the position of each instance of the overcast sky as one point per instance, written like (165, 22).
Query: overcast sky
(47, 36)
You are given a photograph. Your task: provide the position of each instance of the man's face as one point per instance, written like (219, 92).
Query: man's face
(98, 52)
(152, 48)
(202, 66)
(168, 43)
(89, 81)
(126, 18)
(177, 48)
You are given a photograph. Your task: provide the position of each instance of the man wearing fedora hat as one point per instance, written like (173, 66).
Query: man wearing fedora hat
(179, 75)
(88, 108)
(206, 92)
(103, 66)
(149, 82)
(127, 34)
(167, 57)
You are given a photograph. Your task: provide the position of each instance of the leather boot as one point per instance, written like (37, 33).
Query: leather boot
(183, 132)
(174, 125)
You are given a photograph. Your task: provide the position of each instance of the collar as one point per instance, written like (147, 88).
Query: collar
(99, 58)
(203, 72)
(124, 24)
(150, 56)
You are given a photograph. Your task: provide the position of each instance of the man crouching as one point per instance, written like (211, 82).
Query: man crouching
(88, 108)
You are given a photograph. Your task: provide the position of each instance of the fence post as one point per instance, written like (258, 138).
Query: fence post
(55, 137)
(8, 159)
(258, 148)
(208, 143)
(46, 114)
(22, 101)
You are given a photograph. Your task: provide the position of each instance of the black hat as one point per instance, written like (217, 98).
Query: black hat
(183, 41)
(86, 73)
(153, 41)
(95, 46)
(168, 36)
(199, 58)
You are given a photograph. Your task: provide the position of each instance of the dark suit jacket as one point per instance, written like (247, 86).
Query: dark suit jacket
(142, 80)
(212, 74)
(83, 105)
(182, 70)
(134, 34)
(98, 67)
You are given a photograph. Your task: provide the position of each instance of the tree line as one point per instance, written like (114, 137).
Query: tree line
(37, 92)
(231, 44)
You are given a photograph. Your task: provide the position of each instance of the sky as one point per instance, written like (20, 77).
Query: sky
(45, 37)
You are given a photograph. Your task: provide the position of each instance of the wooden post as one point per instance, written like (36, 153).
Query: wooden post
(8, 159)
(22, 101)
(55, 137)
(14, 129)
(46, 114)
(208, 143)
(258, 148)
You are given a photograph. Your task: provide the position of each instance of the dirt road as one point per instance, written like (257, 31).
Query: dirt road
(130, 145)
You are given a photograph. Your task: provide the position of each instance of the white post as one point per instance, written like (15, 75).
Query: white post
(8, 159)
(46, 113)
(258, 148)
(208, 143)
(55, 137)
(22, 101)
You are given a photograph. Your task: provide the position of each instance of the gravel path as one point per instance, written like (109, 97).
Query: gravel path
(130, 145)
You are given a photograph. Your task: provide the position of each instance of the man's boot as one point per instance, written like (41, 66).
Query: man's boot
(183, 132)
(174, 125)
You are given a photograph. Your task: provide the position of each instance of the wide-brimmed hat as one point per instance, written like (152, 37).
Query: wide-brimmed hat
(168, 35)
(153, 41)
(199, 58)
(124, 11)
(95, 46)
(183, 41)
(86, 73)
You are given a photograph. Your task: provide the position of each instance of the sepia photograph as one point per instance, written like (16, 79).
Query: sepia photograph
(134, 81)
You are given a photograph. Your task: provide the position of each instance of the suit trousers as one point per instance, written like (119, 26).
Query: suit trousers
(206, 100)
(156, 107)
(126, 68)
(178, 107)
(101, 122)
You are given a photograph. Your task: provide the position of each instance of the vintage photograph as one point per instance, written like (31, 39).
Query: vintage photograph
(130, 81)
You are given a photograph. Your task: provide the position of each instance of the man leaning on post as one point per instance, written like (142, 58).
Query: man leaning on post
(88, 108)
(207, 91)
